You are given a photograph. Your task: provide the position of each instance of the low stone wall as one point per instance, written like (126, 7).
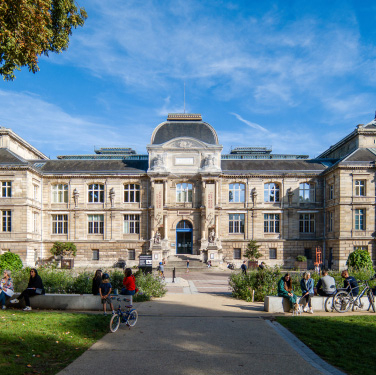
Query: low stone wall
(275, 304)
(82, 302)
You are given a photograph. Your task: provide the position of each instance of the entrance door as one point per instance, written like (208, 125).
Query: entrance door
(184, 235)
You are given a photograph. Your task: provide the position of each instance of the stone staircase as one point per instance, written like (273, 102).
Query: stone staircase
(180, 262)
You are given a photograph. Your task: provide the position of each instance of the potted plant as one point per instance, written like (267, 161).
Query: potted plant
(252, 253)
(301, 262)
(62, 249)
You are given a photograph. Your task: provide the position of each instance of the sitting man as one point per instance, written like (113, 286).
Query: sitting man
(326, 286)
(350, 283)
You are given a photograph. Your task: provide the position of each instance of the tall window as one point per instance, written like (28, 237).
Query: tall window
(96, 224)
(59, 224)
(7, 221)
(271, 223)
(131, 193)
(307, 223)
(36, 192)
(60, 193)
(330, 221)
(271, 192)
(272, 253)
(360, 188)
(236, 193)
(95, 254)
(236, 223)
(184, 192)
(359, 219)
(331, 191)
(6, 189)
(306, 192)
(131, 254)
(131, 223)
(237, 253)
(35, 222)
(96, 193)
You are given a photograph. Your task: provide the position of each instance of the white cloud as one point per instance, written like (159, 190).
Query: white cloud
(249, 123)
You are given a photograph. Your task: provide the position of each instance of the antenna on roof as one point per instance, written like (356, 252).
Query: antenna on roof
(184, 99)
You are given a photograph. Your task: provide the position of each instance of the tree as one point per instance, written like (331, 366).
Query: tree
(63, 248)
(252, 252)
(360, 259)
(10, 261)
(30, 28)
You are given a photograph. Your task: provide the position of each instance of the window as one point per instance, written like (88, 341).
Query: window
(131, 193)
(330, 221)
(96, 224)
(331, 191)
(60, 193)
(131, 223)
(236, 223)
(95, 254)
(184, 193)
(307, 223)
(36, 192)
(35, 222)
(7, 221)
(59, 224)
(131, 254)
(96, 193)
(360, 248)
(306, 192)
(236, 193)
(272, 253)
(6, 189)
(360, 188)
(271, 223)
(308, 253)
(271, 192)
(237, 253)
(359, 219)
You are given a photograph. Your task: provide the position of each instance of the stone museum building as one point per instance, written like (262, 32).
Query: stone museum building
(186, 197)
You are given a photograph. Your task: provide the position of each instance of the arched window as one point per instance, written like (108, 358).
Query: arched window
(236, 193)
(183, 192)
(96, 193)
(131, 193)
(271, 192)
(184, 224)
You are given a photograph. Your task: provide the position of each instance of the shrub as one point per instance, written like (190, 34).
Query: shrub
(10, 261)
(64, 249)
(301, 258)
(360, 259)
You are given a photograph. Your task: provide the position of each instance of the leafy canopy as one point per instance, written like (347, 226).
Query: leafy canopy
(30, 28)
(360, 259)
(10, 261)
(63, 249)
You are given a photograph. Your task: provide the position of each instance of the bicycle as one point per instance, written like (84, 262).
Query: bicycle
(128, 316)
(343, 300)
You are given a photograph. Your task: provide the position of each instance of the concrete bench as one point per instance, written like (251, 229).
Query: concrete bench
(275, 304)
(82, 302)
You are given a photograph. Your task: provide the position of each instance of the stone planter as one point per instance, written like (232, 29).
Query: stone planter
(300, 265)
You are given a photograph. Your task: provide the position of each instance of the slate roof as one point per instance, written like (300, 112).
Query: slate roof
(275, 166)
(8, 157)
(92, 166)
(361, 154)
(174, 129)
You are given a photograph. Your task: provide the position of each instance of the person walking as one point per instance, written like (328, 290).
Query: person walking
(187, 265)
(34, 287)
(244, 268)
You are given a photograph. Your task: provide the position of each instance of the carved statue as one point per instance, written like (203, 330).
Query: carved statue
(290, 194)
(158, 162)
(254, 196)
(212, 236)
(112, 196)
(76, 194)
(209, 161)
(157, 237)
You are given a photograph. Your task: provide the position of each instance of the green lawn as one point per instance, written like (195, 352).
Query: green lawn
(45, 342)
(347, 342)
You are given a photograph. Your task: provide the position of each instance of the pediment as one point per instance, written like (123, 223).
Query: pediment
(185, 143)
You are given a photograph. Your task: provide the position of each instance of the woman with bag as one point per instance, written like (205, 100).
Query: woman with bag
(6, 288)
(34, 288)
(129, 283)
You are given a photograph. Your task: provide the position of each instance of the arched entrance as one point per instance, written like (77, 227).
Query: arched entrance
(184, 236)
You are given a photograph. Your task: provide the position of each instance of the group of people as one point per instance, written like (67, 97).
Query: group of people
(326, 286)
(102, 287)
(244, 267)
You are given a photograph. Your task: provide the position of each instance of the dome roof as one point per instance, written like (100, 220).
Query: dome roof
(184, 125)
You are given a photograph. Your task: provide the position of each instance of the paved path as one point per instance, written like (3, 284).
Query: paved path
(195, 333)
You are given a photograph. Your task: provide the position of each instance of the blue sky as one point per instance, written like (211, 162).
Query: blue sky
(294, 75)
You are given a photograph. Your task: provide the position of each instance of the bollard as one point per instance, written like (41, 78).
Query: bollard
(173, 275)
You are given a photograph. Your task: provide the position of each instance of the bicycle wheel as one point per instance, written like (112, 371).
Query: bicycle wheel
(132, 318)
(342, 302)
(329, 304)
(371, 300)
(114, 323)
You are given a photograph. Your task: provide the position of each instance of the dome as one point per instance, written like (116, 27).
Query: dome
(184, 125)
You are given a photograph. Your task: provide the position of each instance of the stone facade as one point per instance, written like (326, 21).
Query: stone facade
(186, 197)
